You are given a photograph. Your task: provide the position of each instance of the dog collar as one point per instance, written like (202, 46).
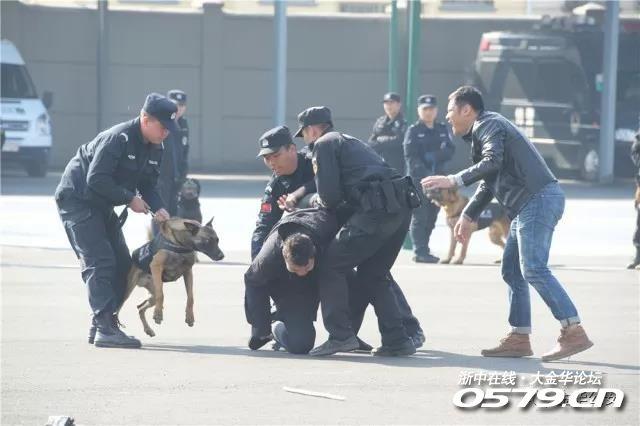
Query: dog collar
(162, 243)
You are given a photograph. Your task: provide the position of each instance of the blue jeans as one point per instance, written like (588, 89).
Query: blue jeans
(525, 260)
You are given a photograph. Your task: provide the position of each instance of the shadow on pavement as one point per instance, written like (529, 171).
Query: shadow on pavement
(422, 359)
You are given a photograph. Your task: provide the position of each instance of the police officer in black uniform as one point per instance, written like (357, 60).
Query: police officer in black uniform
(119, 167)
(291, 171)
(388, 132)
(348, 171)
(175, 162)
(427, 147)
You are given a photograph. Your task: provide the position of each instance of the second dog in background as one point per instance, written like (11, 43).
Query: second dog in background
(493, 217)
(189, 200)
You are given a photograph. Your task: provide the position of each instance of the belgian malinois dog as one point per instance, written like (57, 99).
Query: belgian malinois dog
(493, 217)
(169, 256)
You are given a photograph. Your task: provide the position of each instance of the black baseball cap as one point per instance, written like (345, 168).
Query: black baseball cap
(426, 101)
(272, 140)
(313, 115)
(162, 109)
(178, 96)
(391, 96)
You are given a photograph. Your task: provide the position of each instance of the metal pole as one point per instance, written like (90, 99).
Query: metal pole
(280, 27)
(414, 59)
(608, 101)
(102, 63)
(413, 63)
(393, 48)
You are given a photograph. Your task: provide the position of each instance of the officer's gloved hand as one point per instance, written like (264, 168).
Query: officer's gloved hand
(259, 339)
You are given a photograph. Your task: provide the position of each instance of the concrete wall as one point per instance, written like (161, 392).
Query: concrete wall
(224, 62)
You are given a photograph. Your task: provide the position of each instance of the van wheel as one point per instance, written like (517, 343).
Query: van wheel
(590, 165)
(36, 168)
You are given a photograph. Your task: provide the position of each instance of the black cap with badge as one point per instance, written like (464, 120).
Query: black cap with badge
(427, 101)
(272, 140)
(313, 115)
(178, 96)
(162, 109)
(391, 96)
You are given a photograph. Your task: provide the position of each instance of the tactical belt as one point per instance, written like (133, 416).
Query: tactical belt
(391, 195)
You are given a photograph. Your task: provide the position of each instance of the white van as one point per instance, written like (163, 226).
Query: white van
(24, 121)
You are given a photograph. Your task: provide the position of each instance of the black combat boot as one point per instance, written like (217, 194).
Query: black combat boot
(109, 335)
(333, 346)
(404, 348)
(93, 328)
(418, 338)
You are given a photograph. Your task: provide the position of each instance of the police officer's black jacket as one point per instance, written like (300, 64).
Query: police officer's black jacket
(174, 166)
(387, 135)
(269, 266)
(108, 171)
(510, 167)
(270, 212)
(426, 150)
(342, 164)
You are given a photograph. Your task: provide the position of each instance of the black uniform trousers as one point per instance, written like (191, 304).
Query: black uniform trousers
(98, 242)
(371, 242)
(423, 222)
(296, 301)
(359, 300)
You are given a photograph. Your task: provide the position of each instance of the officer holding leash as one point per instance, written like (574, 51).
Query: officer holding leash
(119, 167)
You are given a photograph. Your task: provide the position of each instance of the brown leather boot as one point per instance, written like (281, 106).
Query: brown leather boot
(514, 345)
(572, 340)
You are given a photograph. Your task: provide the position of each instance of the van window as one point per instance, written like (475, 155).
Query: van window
(629, 88)
(486, 72)
(520, 82)
(16, 82)
(561, 81)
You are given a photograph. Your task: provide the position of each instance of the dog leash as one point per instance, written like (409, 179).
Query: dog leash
(122, 218)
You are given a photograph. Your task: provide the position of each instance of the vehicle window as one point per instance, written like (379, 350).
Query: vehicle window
(520, 82)
(486, 74)
(561, 81)
(16, 82)
(629, 87)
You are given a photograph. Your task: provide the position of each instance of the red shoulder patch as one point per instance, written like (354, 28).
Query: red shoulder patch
(265, 208)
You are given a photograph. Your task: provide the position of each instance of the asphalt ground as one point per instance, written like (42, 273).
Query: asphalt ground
(207, 375)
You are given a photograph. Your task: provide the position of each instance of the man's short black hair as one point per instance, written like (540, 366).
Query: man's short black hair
(468, 95)
(298, 249)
